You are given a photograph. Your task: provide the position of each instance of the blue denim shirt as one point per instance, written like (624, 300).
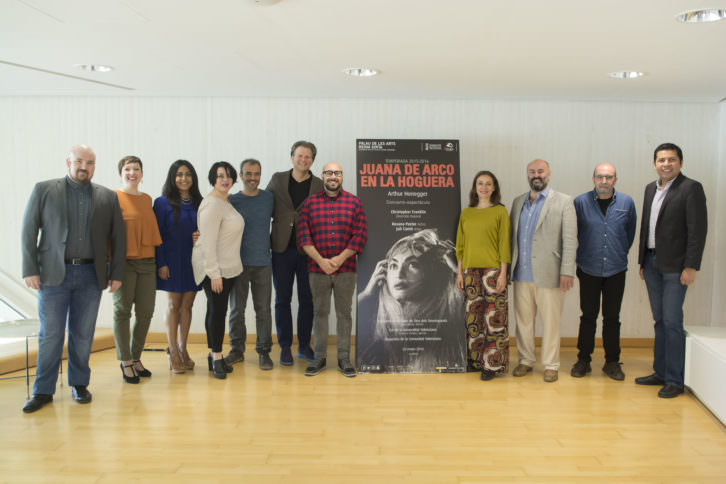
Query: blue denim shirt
(604, 240)
(525, 232)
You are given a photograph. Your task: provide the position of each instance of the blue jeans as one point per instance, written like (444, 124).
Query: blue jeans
(259, 280)
(666, 294)
(76, 302)
(285, 267)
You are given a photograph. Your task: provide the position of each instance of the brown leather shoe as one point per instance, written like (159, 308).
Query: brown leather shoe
(521, 370)
(550, 376)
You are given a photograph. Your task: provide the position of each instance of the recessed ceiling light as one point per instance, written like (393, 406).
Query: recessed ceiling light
(94, 67)
(703, 15)
(361, 71)
(626, 74)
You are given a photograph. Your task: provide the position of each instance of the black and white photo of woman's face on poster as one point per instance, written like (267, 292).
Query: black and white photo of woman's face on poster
(410, 313)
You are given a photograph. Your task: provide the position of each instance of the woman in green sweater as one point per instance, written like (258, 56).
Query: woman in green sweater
(483, 254)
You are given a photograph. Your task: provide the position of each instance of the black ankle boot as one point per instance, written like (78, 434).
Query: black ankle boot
(218, 369)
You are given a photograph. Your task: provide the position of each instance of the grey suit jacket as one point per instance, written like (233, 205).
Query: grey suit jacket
(554, 244)
(46, 214)
(285, 217)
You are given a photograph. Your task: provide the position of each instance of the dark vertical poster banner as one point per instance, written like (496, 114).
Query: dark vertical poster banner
(410, 314)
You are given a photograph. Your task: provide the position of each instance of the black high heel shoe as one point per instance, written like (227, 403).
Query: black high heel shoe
(129, 379)
(143, 372)
(210, 364)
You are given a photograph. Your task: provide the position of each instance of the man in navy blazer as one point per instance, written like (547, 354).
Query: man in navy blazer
(672, 239)
(81, 251)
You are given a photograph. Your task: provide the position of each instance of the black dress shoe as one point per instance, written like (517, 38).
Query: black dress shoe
(649, 380)
(346, 368)
(266, 362)
(37, 402)
(613, 370)
(81, 394)
(315, 368)
(669, 391)
(219, 370)
(487, 375)
(580, 369)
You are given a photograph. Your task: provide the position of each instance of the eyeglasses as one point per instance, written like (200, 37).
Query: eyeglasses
(331, 173)
(604, 177)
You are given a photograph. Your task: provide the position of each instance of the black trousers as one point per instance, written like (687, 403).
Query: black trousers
(592, 288)
(215, 320)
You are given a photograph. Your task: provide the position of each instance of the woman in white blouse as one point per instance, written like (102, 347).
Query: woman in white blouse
(216, 258)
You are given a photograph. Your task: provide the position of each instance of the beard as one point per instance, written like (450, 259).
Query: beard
(333, 187)
(600, 190)
(537, 184)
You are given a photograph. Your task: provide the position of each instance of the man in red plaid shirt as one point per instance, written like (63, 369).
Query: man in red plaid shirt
(332, 230)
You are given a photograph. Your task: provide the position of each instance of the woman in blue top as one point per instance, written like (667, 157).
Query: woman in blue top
(176, 213)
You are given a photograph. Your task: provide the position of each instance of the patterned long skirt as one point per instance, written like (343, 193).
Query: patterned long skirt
(487, 333)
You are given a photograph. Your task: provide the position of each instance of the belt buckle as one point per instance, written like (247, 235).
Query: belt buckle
(75, 261)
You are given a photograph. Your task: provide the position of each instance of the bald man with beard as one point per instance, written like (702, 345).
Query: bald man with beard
(332, 231)
(81, 252)
(544, 243)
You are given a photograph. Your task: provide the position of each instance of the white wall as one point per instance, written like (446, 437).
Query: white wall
(35, 133)
(717, 231)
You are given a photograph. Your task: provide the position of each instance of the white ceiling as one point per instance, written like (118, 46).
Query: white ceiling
(462, 49)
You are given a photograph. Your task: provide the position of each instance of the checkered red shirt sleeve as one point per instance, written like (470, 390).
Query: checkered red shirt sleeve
(332, 225)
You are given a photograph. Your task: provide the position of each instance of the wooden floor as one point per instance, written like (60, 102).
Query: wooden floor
(280, 426)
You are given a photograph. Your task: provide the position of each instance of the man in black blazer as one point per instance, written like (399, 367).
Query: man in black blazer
(81, 251)
(291, 188)
(672, 239)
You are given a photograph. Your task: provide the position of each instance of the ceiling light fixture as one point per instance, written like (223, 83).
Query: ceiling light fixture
(626, 74)
(703, 15)
(94, 67)
(361, 71)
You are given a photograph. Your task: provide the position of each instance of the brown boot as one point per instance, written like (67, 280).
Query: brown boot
(186, 359)
(175, 362)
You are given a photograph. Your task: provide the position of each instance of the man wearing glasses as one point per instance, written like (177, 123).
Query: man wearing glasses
(332, 230)
(606, 222)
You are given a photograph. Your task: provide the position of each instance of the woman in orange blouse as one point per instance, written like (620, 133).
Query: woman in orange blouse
(139, 284)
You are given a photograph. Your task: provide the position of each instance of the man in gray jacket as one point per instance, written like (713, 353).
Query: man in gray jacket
(544, 245)
(80, 224)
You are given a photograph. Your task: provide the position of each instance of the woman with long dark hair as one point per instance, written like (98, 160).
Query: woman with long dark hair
(216, 258)
(482, 252)
(176, 212)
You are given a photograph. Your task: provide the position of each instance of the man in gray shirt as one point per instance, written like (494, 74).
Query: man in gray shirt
(256, 207)
(70, 266)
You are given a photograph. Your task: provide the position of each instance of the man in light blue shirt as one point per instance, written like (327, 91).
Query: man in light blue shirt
(544, 242)
(256, 207)
(606, 222)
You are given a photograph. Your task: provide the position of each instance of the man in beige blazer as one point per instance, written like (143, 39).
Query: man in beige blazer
(544, 246)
